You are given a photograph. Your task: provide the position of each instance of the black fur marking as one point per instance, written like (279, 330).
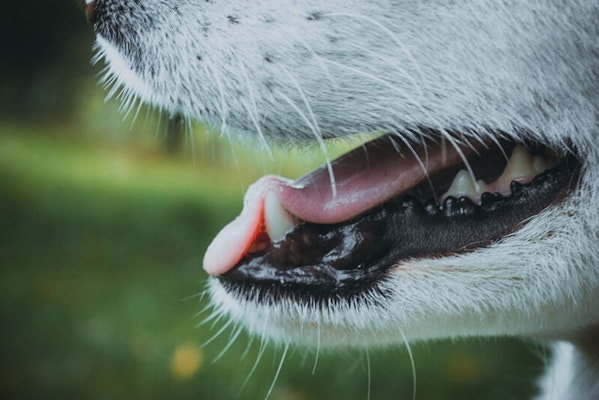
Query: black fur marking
(315, 16)
(117, 21)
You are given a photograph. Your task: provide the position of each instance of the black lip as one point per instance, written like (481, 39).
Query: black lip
(343, 260)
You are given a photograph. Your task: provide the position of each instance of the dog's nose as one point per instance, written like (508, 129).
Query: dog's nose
(89, 7)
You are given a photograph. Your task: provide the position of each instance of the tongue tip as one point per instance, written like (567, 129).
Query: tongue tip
(215, 267)
(225, 250)
(242, 234)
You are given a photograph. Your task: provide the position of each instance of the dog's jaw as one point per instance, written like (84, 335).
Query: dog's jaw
(462, 295)
(338, 70)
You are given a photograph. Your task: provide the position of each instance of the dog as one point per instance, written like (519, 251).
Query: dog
(471, 212)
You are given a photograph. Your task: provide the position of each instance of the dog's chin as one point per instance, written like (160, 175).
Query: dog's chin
(470, 294)
(433, 260)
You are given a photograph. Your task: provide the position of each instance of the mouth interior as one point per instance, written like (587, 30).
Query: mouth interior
(393, 202)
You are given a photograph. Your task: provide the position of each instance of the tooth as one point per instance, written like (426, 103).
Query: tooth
(542, 164)
(539, 164)
(519, 166)
(277, 220)
(464, 185)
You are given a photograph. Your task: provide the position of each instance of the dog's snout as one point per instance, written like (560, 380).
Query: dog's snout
(89, 7)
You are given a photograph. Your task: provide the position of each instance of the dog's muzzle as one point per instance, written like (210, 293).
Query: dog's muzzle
(337, 231)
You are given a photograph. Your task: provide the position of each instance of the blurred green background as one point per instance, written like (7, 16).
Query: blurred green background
(103, 223)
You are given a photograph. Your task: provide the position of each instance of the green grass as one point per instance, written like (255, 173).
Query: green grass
(101, 246)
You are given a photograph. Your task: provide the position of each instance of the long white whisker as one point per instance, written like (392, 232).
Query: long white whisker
(317, 132)
(203, 310)
(274, 381)
(232, 339)
(318, 137)
(373, 56)
(313, 54)
(497, 142)
(386, 84)
(412, 363)
(419, 160)
(218, 333)
(200, 297)
(458, 150)
(137, 111)
(252, 110)
(215, 317)
(247, 348)
(191, 134)
(224, 111)
(317, 349)
(368, 372)
(261, 351)
(235, 162)
(368, 76)
(395, 38)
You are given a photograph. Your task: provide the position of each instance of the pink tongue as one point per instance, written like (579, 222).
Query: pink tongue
(364, 178)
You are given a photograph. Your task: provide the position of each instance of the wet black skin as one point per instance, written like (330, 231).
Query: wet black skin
(340, 261)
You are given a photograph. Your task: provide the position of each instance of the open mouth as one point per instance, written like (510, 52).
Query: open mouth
(337, 231)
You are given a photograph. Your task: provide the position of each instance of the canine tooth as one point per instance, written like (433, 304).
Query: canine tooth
(520, 165)
(539, 164)
(277, 220)
(542, 163)
(464, 185)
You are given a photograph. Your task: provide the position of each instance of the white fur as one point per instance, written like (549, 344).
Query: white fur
(312, 69)
(573, 374)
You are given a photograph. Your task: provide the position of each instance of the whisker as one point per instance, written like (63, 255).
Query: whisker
(202, 311)
(137, 111)
(318, 138)
(373, 56)
(252, 110)
(317, 349)
(394, 37)
(223, 110)
(458, 150)
(369, 374)
(421, 163)
(247, 347)
(232, 339)
(313, 124)
(278, 371)
(199, 296)
(191, 134)
(496, 141)
(218, 333)
(313, 54)
(215, 316)
(236, 163)
(261, 351)
(412, 363)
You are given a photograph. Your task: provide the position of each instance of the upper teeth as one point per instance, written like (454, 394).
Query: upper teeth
(277, 220)
(464, 185)
(521, 167)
